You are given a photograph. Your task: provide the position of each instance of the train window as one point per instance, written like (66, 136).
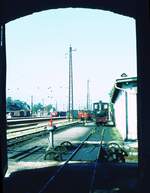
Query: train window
(105, 106)
(60, 63)
(96, 106)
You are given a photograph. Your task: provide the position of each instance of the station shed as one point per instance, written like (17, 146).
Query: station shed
(124, 98)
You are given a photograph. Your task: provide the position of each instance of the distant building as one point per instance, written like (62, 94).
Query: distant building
(20, 113)
(124, 98)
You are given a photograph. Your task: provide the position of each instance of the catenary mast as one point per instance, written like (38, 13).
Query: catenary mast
(70, 84)
(88, 96)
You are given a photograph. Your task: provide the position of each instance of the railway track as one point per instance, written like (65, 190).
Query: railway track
(28, 148)
(88, 145)
(77, 153)
(11, 122)
(18, 156)
(23, 132)
(59, 175)
(33, 150)
(29, 151)
(53, 179)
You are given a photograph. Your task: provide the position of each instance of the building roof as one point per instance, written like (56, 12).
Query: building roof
(128, 81)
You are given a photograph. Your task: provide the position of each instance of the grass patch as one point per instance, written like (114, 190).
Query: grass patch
(112, 134)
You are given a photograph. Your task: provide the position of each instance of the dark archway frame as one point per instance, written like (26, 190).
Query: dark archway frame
(15, 9)
(137, 9)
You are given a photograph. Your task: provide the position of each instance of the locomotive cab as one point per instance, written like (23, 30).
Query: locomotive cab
(101, 111)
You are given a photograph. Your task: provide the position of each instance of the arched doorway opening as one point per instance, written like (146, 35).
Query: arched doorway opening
(143, 58)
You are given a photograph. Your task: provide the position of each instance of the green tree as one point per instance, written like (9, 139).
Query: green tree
(13, 105)
(49, 108)
(37, 107)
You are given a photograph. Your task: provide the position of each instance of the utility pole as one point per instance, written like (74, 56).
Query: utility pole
(70, 84)
(88, 96)
(56, 106)
(126, 111)
(31, 105)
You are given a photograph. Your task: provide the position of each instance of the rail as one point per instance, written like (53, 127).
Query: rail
(60, 169)
(91, 190)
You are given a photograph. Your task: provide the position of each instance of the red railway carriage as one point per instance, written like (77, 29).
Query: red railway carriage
(84, 115)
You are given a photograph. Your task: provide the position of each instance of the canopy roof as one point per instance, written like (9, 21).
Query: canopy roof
(120, 82)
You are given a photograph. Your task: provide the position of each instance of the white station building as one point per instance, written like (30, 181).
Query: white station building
(124, 98)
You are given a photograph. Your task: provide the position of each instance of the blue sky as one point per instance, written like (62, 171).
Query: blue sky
(37, 44)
